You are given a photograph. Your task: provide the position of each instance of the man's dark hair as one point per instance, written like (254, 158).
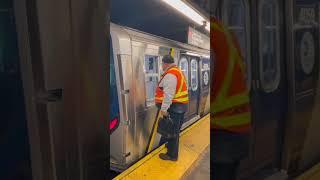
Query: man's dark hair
(168, 59)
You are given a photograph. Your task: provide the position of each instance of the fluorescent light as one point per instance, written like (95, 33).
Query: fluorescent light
(188, 11)
(192, 54)
(198, 55)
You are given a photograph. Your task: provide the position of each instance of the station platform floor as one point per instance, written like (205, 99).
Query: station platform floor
(200, 169)
(193, 162)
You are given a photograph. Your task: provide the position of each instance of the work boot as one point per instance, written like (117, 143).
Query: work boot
(165, 156)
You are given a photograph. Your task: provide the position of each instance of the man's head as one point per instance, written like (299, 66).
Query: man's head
(167, 61)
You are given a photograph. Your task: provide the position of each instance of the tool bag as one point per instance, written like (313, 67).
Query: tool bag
(166, 127)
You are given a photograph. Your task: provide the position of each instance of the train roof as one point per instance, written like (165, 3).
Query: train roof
(140, 35)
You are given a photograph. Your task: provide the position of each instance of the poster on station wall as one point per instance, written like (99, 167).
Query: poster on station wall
(198, 39)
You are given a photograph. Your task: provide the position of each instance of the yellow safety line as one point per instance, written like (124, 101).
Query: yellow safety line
(139, 163)
(194, 124)
(149, 156)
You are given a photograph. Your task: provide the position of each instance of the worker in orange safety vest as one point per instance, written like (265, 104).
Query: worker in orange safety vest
(230, 104)
(172, 99)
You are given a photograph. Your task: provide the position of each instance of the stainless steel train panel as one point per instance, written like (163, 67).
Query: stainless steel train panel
(143, 116)
(121, 140)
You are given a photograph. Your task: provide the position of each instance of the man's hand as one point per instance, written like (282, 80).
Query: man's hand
(163, 113)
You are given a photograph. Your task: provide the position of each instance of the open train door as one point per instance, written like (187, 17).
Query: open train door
(62, 47)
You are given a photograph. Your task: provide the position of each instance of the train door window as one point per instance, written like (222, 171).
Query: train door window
(151, 65)
(236, 17)
(269, 45)
(194, 74)
(183, 65)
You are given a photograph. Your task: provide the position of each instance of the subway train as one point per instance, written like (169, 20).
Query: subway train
(135, 69)
(279, 41)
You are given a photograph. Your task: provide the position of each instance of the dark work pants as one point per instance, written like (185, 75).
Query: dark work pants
(227, 150)
(173, 143)
(224, 171)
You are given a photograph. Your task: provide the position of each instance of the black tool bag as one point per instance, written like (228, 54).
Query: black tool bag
(166, 127)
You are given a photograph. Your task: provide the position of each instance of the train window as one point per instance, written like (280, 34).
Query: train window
(194, 75)
(269, 45)
(236, 17)
(151, 65)
(183, 65)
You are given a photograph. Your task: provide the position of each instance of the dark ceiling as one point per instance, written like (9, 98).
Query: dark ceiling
(201, 5)
(152, 16)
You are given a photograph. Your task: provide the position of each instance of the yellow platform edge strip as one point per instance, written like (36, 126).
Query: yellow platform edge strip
(311, 173)
(157, 150)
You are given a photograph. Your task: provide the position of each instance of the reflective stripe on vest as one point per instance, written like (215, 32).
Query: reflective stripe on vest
(222, 103)
(245, 128)
(236, 122)
(181, 95)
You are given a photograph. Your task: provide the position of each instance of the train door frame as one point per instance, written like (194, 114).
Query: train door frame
(198, 85)
(184, 58)
(298, 101)
(204, 80)
(310, 153)
(190, 115)
(40, 169)
(152, 110)
(64, 144)
(15, 152)
(245, 166)
(246, 28)
(267, 98)
(291, 84)
(123, 90)
(253, 39)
